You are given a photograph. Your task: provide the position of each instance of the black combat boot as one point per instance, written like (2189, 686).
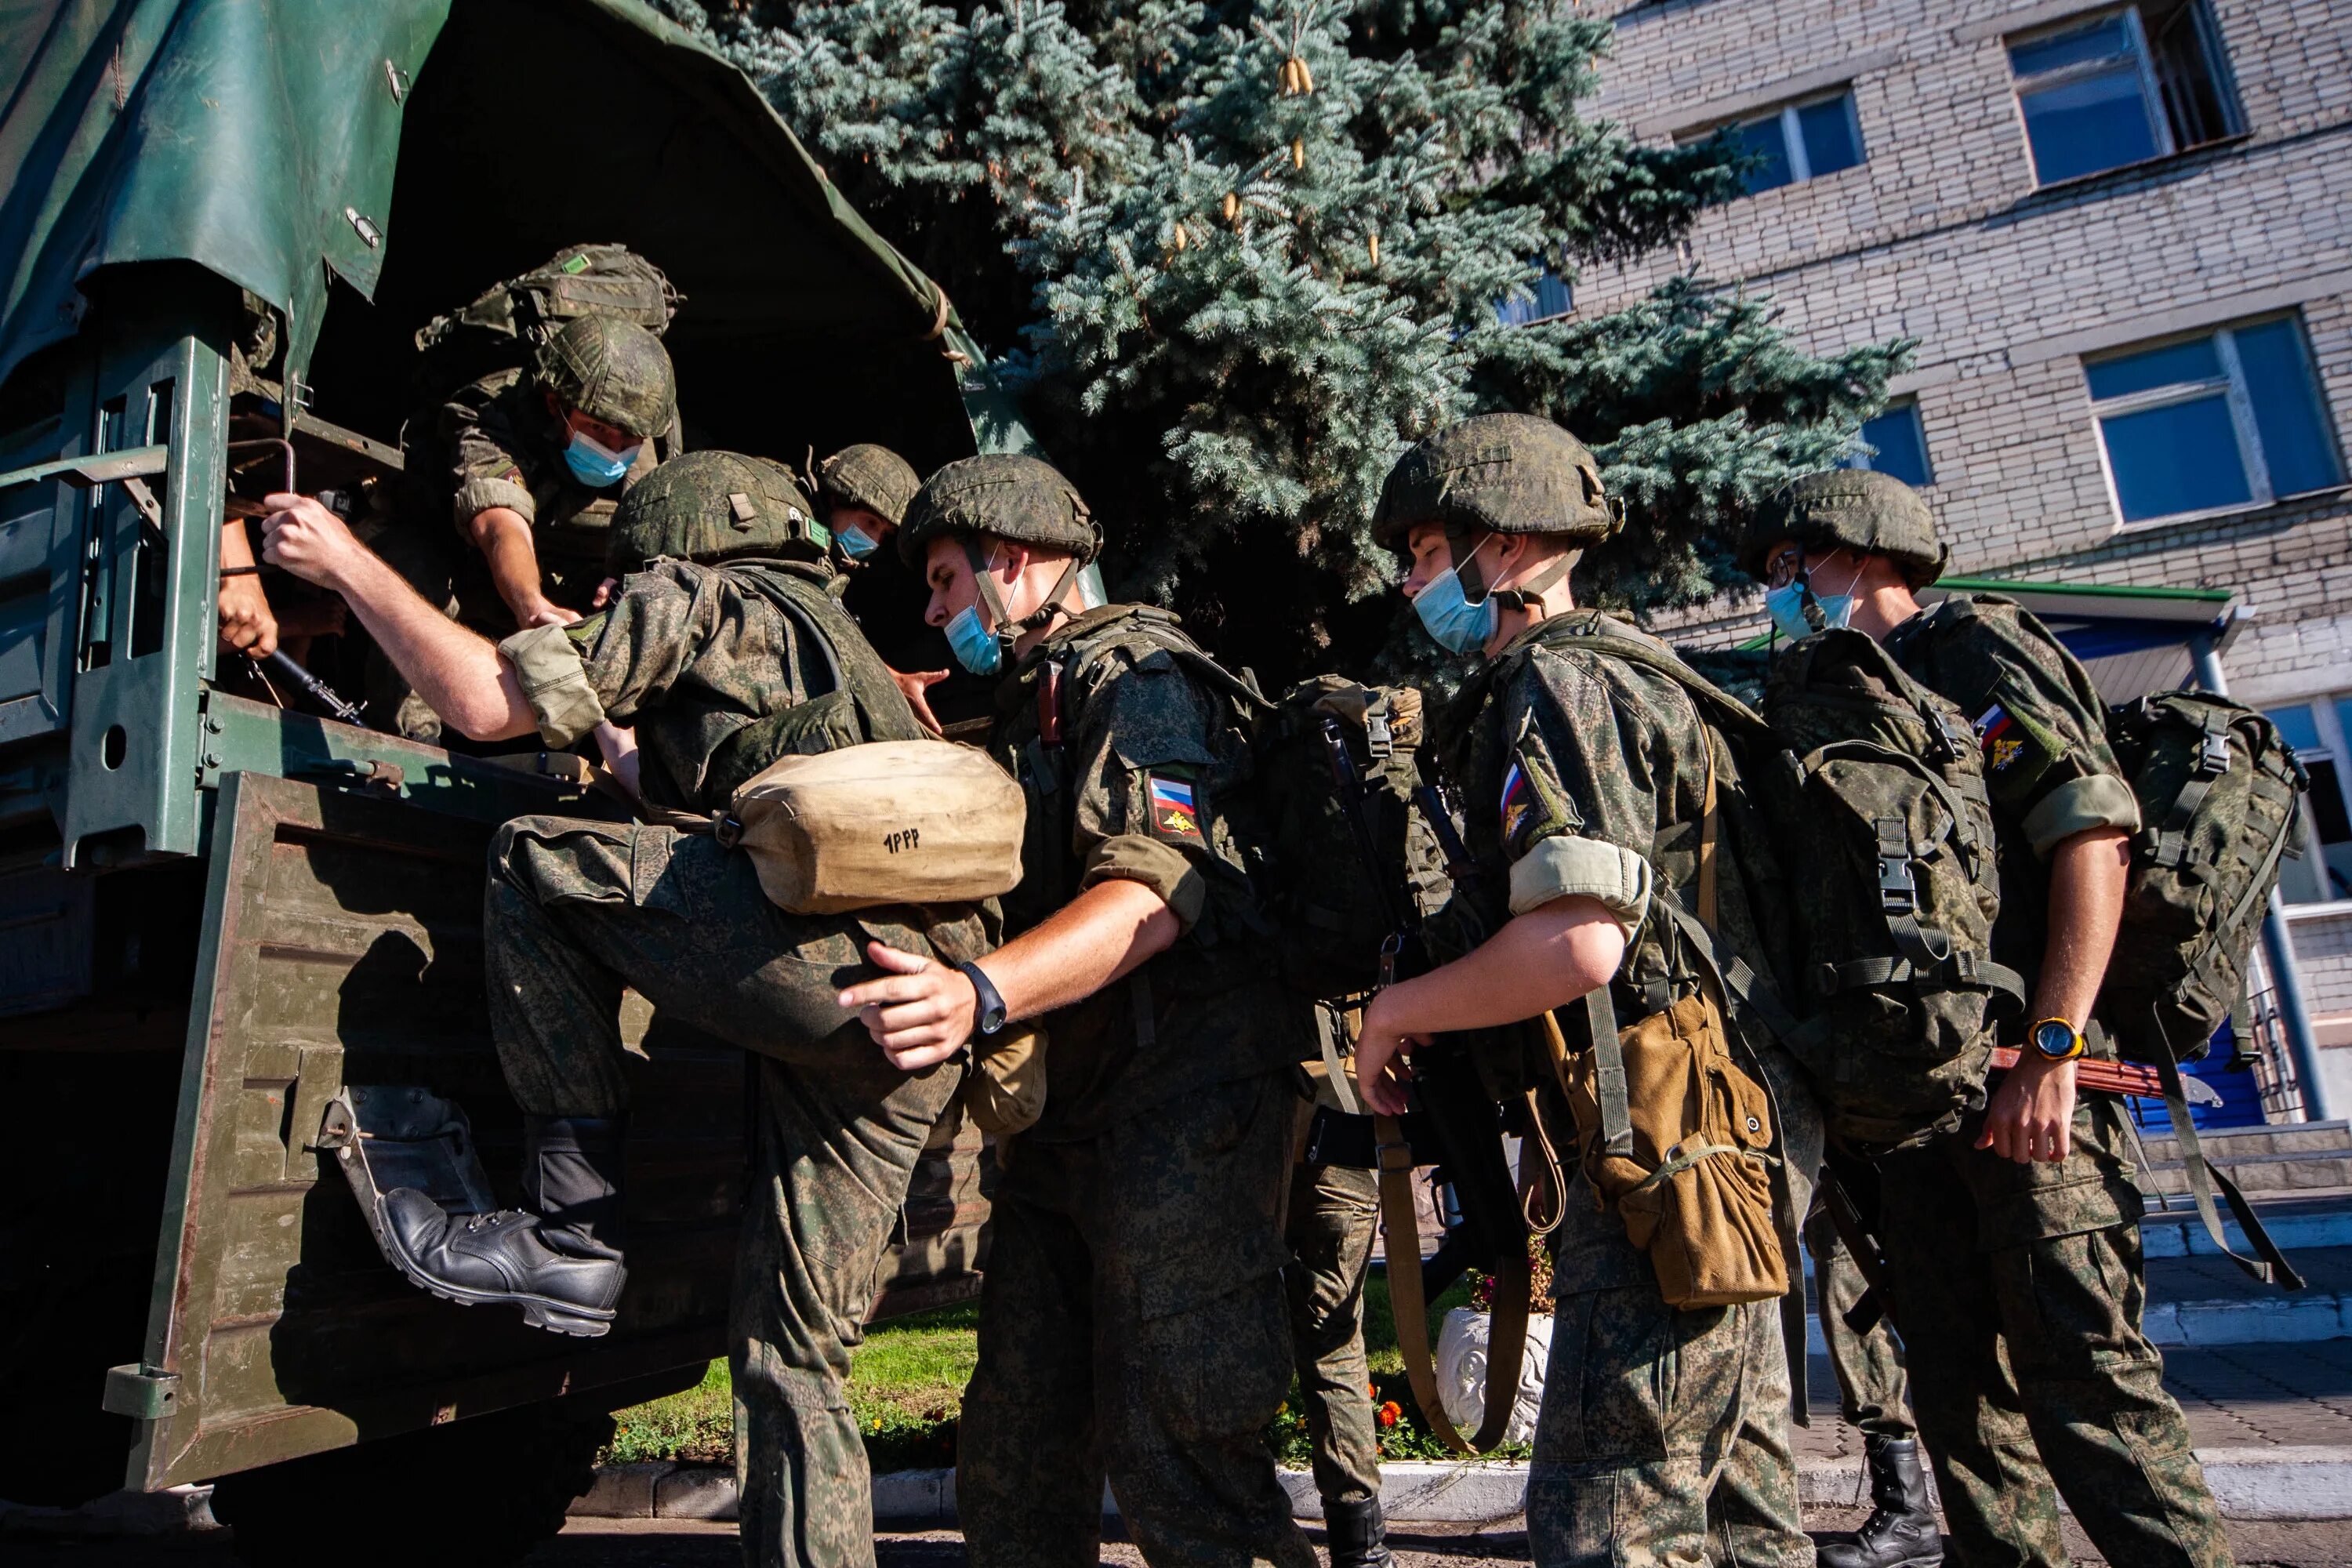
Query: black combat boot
(1354, 1533)
(1901, 1532)
(558, 1260)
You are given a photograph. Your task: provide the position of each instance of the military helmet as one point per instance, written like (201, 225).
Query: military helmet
(1009, 496)
(1501, 473)
(1875, 513)
(868, 476)
(711, 507)
(614, 372)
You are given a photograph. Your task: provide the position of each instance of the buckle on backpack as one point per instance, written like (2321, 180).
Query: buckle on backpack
(2213, 757)
(1897, 893)
(1377, 738)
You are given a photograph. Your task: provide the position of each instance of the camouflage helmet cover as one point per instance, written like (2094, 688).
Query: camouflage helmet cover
(613, 370)
(1858, 508)
(871, 477)
(712, 507)
(1003, 494)
(1503, 473)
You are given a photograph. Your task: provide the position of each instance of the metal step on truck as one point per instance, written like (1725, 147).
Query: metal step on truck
(225, 916)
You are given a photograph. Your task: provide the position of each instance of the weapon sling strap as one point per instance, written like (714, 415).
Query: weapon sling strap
(2269, 1265)
(1506, 1340)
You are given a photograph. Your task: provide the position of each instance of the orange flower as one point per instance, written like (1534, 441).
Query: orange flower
(1389, 1413)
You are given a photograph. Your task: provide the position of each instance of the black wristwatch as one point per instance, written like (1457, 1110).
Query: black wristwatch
(2057, 1039)
(992, 1005)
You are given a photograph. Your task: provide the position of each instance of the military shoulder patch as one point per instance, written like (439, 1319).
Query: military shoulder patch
(1174, 805)
(1518, 798)
(1999, 735)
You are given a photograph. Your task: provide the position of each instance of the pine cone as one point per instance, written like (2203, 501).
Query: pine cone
(1297, 154)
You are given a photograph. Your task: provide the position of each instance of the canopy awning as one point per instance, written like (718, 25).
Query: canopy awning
(2133, 640)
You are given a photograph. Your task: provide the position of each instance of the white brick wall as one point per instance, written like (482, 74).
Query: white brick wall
(1940, 235)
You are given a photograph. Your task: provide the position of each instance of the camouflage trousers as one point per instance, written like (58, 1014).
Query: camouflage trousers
(1664, 1437)
(1132, 1325)
(1334, 1209)
(578, 910)
(1872, 1394)
(2018, 1290)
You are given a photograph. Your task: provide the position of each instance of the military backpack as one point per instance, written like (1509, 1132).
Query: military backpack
(1327, 797)
(2217, 787)
(1894, 899)
(1890, 994)
(499, 330)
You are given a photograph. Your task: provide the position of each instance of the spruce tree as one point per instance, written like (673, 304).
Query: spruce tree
(1237, 255)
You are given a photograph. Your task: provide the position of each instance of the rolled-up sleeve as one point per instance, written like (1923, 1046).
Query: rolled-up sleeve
(1563, 867)
(2081, 805)
(478, 494)
(1165, 869)
(554, 681)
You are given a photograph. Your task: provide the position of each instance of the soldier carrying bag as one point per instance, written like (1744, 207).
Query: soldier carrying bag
(1676, 1136)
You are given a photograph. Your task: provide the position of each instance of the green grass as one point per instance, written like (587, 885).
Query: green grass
(906, 1387)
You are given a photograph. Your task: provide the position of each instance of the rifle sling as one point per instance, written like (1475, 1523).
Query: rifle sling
(2269, 1265)
(1506, 1340)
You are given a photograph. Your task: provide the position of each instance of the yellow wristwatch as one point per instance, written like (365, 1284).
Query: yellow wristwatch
(2057, 1040)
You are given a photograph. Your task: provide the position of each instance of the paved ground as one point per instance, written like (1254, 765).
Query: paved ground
(672, 1543)
(2235, 1397)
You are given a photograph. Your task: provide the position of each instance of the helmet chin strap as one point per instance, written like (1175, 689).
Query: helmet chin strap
(1001, 620)
(1474, 585)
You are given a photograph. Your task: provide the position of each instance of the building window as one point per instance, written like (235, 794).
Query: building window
(1546, 298)
(2227, 420)
(1895, 443)
(1797, 141)
(2317, 731)
(2120, 88)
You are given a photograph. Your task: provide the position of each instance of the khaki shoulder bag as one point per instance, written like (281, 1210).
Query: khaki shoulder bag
(1676, 1135)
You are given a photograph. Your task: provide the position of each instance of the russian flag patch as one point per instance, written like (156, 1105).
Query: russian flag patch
(1516, 798)
(1174, 813)
(1997, 734)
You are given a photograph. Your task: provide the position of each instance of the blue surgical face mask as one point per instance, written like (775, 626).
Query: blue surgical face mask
(1449, 617)
(974, 646)
(1786, 604)
(597, 467)
(855, 541)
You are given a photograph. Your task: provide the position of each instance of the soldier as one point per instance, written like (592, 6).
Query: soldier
(1131, 1321)
(1664, 1432)
(864, 491)
(538, 459)
(2013, 1243)
(1332, 1213)
(1902, 1531)
(721, 613)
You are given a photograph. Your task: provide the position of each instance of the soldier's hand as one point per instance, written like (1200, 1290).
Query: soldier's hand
(246, 622)
(544, 611)
(2031, 1112)
(306, 539)
(1381, 1067)
(920, 1013)
(914, 683)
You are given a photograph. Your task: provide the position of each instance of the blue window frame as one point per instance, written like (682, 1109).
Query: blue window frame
(2230, 418)
(1896, 443)
(1548, 299)
(1800, 140)
(2122, 87)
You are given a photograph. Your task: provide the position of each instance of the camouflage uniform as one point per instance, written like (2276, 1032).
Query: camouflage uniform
(1663, 1435)
(1872, 1391)
(2021, 1305)
(1332, 1213)
(1132, 1320)
(717, 681)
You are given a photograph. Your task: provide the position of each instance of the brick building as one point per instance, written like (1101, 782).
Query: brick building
(2122, 235)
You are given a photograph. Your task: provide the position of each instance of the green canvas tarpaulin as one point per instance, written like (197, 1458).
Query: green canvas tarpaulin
(284, 143)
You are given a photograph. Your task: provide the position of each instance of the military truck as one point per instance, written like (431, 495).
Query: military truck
(221, 224)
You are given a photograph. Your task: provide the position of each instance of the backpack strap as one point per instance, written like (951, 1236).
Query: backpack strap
(2269, 1265)
(2170, 838)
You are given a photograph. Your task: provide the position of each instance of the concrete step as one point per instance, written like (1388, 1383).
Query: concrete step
(2296, 1220)
(2313, 1172)
(2225, 1145)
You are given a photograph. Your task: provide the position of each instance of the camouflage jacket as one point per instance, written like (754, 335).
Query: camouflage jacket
(2048, 766)
(1582, 774)
(717, 677)
(1131, 789)
(501, 448)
